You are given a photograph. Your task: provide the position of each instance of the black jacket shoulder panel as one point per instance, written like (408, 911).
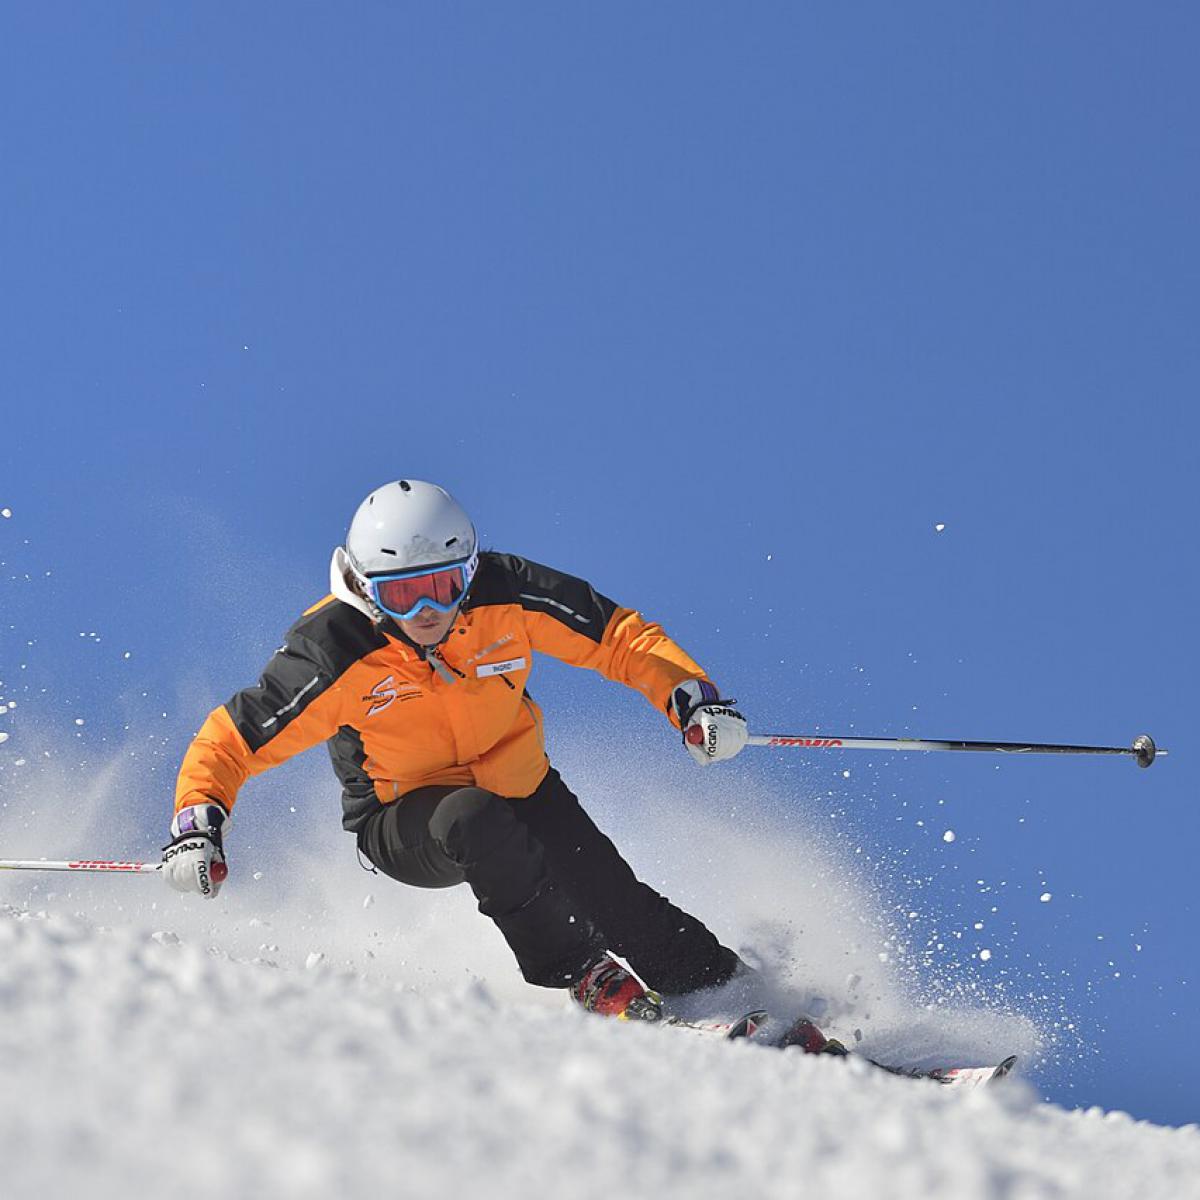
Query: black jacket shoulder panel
(495, 580)
(335, 636)
(317, 651)
(510, 579)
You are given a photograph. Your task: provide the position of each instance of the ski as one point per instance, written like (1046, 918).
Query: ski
(743, 1027)
(804, 1034)
(961, 1077)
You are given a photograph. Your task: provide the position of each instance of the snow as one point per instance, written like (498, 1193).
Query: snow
(244, 1079)
(949, 835)
(290, 1039)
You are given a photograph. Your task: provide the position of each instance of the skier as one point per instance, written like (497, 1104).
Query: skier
(414, 673)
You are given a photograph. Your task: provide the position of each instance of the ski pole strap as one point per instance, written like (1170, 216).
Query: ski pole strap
(93, 864)
(1143, 749)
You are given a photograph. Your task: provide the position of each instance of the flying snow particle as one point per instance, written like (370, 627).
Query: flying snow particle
(3, 737)
(315, 959)
(845, 774)
(949, 835)
(1046, 897)
(78, 720)
(940, 527)
(368, 900)
(5, 513)
(985, 955)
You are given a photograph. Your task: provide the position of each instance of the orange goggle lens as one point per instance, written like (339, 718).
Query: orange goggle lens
(403, 596)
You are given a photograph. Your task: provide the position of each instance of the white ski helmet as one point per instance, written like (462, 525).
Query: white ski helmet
(408, 525)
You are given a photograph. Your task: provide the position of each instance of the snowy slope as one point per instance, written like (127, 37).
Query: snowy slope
(319, 1031)
(134, 1060)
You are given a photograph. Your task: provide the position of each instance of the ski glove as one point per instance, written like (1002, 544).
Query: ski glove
(194, 861)
(712, 729)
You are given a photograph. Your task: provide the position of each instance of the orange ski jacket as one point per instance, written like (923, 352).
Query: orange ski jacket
(396, 718)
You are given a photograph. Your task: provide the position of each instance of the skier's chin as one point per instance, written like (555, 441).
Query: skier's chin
(427, 632)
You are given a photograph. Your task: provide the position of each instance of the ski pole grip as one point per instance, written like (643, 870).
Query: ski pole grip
(694, 735)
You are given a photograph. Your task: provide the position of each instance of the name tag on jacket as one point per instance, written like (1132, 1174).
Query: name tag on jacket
(500, 668)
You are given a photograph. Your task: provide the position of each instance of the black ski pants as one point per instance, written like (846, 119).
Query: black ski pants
(556, 887)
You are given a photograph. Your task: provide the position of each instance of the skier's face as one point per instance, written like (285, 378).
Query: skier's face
(429, 626)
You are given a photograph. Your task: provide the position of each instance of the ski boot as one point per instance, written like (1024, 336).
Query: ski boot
(609, 989)
(805, 1034)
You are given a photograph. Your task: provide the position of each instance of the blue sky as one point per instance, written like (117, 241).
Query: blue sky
(725, 308)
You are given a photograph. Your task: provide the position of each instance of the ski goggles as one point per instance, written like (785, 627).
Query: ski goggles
(404, 593)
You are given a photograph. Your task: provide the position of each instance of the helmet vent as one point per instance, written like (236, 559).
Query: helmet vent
(385, 550)
(450, 542)
(405, 486)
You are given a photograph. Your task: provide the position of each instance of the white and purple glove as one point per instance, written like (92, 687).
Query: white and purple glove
(712, 729)
(194, 861)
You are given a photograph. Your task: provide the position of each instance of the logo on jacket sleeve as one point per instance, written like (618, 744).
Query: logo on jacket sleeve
(386, 692)
(382, 694)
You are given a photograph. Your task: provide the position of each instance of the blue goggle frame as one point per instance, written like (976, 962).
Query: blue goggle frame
(463, 569)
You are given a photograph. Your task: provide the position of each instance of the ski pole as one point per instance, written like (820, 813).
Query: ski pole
(1143, 749)
(89, 864)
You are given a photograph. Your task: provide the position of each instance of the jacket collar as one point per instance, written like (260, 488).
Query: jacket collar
(339, 585)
